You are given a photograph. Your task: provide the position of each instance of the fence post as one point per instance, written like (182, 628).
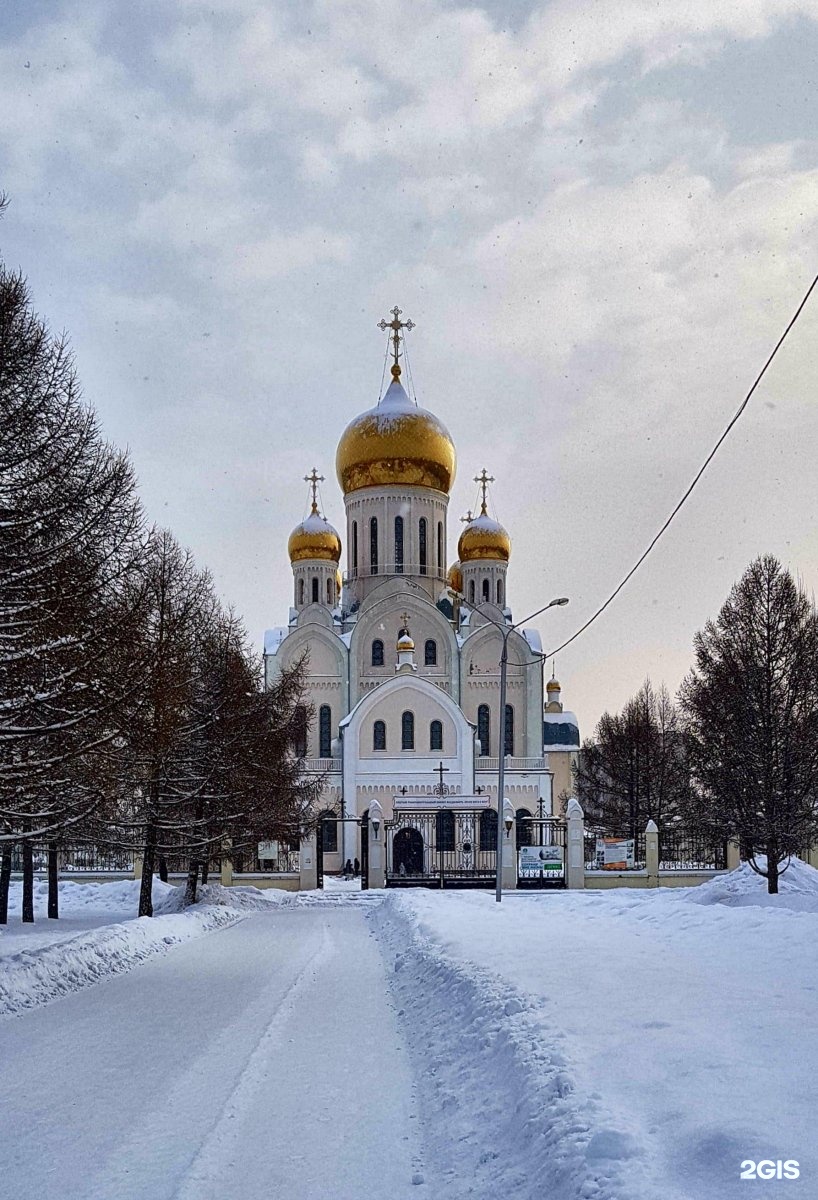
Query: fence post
(509, 869)
(574, 845)
(308, 864)
(137, 866)
(733, 855)
(227, 867)
(652, 853)
(377, 846)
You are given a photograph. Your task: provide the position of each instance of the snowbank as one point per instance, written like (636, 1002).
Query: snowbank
(797, 888)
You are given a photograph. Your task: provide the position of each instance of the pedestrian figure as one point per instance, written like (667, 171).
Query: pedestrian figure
(348, 869)
(356, 867)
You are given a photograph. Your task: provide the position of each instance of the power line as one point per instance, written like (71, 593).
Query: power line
(696, 478)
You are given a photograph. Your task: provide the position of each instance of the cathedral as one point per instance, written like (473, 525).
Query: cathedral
(403, 648)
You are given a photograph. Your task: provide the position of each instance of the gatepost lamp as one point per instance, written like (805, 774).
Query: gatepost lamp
(508, 816)
(375, 816)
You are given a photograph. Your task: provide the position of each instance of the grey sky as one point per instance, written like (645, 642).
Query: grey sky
(600, 216)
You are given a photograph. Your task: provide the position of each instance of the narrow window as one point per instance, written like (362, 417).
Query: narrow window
(422, 545)
(379, 735)
(483, 726)
(486, 591)
(354, 547)
(324, 731)
(301, 591)
(430, 653)
(373, 546)
(488, 829)
(407, 731)
(436, 735)
(445, 829)
(315, 589)
(499, 593)
(471, 591)
(377, 653)
(329, 591)
(440, 560)
(509, 738)
(299, 730)
(399, 545)
(329, 832)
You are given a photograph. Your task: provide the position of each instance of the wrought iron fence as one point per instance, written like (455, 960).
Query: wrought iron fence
(76, 858)
(442, 848)
(689, 850)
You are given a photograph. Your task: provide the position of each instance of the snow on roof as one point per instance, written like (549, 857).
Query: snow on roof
(532, 636)
(273, 639)
(560, 718)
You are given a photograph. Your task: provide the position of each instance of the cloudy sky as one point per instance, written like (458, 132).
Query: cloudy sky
(600, 215)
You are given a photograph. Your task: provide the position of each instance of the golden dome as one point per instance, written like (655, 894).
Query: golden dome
(405, 642)
(552, 686)
(484, 539)
(395, 443)
(455, 578)
(314, 539)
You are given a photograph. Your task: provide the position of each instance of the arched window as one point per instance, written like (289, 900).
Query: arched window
(324, 731)
(407, 731)
(483, 727)
(379, 735)
(444, 829)
(354, 547)
(422, 548)
(524, 827)
(377, 653)
(399, 545)
(430, 653)
(329, 591)
(436, 735)
(471, 591)
(329, 832)
(508, 745)
(440, 557)
(488, 829)
(301, 594)
(486, 590)
(315, 589)
(373, 545)
(299, 730)
(500, 593)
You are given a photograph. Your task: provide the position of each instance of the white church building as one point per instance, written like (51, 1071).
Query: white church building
(403, 648)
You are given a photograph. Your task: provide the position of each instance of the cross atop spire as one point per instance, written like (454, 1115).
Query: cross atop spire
(484, 479)
(396, 325)
(468, 517)
(313, 479)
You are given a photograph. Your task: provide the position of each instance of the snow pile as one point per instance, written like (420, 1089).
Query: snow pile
(120, 897)
(797, 888)
(243, 899)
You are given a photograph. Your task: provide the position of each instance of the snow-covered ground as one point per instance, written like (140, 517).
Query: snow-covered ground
(616, 1045)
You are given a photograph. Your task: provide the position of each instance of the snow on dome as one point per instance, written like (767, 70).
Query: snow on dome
(314, 539)
(484, 539)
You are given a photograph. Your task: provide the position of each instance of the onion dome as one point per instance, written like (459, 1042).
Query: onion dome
(395, 443)
(484, 539)
(454, 578)
(314, 539)
(552, 686)
(405, 641)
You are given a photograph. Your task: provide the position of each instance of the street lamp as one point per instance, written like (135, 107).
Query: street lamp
(506, 631)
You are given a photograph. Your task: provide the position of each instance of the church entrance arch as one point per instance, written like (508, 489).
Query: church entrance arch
(407, 852)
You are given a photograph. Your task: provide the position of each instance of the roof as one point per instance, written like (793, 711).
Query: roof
(560, 731)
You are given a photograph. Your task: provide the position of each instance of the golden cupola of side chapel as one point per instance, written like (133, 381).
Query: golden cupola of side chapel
(484, 550)
(315, 551)
(396, 464)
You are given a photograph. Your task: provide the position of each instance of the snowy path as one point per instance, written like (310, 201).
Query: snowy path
(232, 1065)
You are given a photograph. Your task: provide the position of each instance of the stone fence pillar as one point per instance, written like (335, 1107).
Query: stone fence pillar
(377, 846)
(137, 866)
(509, 872)
(227, 866)
(733, 855)
(308, 863)
(652, 853)
(574, 845)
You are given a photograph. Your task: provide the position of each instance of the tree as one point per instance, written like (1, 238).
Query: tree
(751, 707)
(635, 768)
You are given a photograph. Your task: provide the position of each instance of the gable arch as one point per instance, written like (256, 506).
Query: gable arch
(379, 618)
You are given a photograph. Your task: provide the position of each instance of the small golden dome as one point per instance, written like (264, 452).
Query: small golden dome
(455, 578)
(405, 642)
(395, 443)
(484, 539)
(552, 686)
(314, 539)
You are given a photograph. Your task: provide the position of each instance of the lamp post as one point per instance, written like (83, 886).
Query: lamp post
(506, 631)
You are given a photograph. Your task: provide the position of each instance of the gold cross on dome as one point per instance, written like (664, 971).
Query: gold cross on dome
(484, 479)
(468, 517)
(405, 620)
(313, 479)
(396, 325)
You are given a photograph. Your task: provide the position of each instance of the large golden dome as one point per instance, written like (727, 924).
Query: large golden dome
(395, 443)
(314, 539)
(482, 540)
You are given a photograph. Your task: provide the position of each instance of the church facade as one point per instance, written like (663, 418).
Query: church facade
(403, 647)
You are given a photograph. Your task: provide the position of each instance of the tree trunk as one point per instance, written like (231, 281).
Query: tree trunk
(5, 880)
(28, 884)
(163, 868)
(53, 884)
(772, 871)
(148, 861)
(192, 881)
(205, 866)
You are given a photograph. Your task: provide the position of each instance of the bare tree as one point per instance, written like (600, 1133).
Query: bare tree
(751, 705)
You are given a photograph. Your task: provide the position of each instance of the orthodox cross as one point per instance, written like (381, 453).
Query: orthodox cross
(405, 621)
(484, 479)
(468, 517)
(313, 479)
(440, 788)
(396, 325)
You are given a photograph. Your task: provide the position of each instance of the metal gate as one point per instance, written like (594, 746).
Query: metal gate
(441, 848)
(319, 854)
(365, 851)
(546, 834)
